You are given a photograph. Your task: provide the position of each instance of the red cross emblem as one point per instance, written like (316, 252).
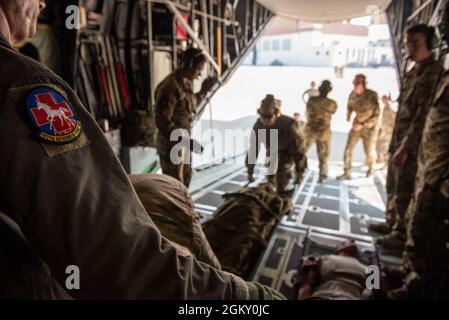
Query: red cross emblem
(58, 114)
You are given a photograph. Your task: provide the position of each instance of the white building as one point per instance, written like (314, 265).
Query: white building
(321, 45)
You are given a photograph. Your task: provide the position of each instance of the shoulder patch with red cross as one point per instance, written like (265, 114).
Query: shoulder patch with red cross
(52, 116)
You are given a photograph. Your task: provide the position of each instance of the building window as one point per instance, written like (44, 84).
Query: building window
(286, 44)
(266, 46)
(275, 45)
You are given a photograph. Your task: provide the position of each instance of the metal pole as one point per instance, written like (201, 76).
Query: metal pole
(211, 119)
(205, 26)
(219, 45)
(197, 12)
(191, 33)
(150, 54)
(417, 11)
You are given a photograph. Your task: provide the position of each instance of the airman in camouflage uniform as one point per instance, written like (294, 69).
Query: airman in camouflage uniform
(385, 131)
(176, 105)
(414, 102)
(426, 257)
(383, 142)
(318, 129)
(365, 104)
(301, 123)
(291, 152)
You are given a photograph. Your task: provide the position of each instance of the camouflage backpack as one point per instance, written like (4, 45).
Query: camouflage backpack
(239, 229)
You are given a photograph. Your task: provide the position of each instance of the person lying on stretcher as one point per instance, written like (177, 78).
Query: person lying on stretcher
(339, 276)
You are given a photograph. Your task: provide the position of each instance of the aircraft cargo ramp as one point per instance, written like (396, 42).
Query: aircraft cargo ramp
(324, 214)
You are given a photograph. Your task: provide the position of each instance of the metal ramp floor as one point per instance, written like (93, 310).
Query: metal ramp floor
(328, 213)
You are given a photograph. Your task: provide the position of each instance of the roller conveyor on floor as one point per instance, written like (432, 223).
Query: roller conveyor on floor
(328, 213)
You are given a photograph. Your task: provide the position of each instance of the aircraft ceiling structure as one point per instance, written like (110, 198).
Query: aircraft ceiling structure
(325, 10)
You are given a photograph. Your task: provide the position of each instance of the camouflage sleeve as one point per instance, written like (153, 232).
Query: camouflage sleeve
(350, 108)
(393, 143)
(412, 139)
(436, 134)
(299, 154)
(334, 107)
(258, 291)
(166, 101)
(201, 247)
(253, 151)
(373, 120)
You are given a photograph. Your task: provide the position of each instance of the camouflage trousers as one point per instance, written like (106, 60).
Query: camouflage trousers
(401, 194)
(182, 171)
(382, 145)
(322, 139)
(283, 175)
(390, 213)
(426, 255)
(368, 136)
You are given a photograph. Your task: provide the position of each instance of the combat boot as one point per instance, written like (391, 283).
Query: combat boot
(382, 228)
(322, 178)
(393, 241)
(345, 176)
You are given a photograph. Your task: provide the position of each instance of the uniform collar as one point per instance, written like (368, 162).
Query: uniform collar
(4, 42)
(425, 63)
